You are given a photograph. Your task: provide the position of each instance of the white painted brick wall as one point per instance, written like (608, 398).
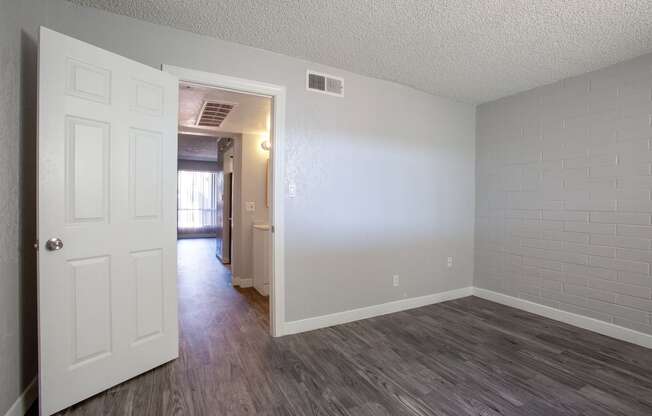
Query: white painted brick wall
(564, 174)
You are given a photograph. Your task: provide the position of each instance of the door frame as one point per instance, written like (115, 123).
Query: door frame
(277, 159)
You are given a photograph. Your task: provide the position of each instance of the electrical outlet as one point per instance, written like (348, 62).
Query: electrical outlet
(250, 206)
(449, 262)
(396, 280)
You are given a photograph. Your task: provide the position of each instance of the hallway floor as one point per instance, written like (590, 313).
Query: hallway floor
(462, 357)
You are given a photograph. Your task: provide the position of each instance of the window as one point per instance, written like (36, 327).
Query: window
(197, 202)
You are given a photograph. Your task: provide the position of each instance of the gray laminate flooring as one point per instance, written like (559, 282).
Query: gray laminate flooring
(463, 357)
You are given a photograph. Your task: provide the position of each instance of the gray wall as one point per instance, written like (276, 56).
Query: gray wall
(9, 223)
(17, 209)
(250, 176)
(563, 195)
(354, 222)
(385, 175)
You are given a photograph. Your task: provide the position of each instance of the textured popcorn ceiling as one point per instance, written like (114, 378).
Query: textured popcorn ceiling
(474, 51)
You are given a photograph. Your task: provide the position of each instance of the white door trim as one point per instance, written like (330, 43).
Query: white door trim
(277, 92)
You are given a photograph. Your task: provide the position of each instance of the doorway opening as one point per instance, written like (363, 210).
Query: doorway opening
(225, 200)
(276, 175)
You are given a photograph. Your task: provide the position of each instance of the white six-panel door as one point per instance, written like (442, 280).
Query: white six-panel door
(107, 149)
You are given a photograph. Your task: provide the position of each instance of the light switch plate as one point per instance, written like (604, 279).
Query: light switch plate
(292, 190)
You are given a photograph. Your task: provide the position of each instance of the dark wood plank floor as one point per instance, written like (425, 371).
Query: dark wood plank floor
(463, 357)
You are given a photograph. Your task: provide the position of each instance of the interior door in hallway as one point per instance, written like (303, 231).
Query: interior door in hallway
(107, 150)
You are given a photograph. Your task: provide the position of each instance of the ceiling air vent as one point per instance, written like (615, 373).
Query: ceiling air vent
(213, 113)
(326, 84)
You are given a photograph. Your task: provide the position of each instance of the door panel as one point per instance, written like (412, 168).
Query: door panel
(88, 81)
(148, 281)
(145, 178)
(107, 188)
(90, 281)
(87, 164)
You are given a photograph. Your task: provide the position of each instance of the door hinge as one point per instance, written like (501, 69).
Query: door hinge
(36, 245)
(272, 228)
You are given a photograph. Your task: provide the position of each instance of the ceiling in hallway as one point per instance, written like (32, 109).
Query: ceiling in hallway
(202, 148)
(250, 113)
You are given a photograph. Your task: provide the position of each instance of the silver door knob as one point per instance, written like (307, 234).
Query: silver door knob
(54, 244)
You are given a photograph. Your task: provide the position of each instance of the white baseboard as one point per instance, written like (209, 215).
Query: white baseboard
(242, 282)
(309, 324)
(25, 400)
(595, 325)
(264, 290)
(601, 327)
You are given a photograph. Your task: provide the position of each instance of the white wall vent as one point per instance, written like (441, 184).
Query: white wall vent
(324, 83)
(213, 113)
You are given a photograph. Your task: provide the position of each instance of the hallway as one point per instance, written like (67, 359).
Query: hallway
(207, 301)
